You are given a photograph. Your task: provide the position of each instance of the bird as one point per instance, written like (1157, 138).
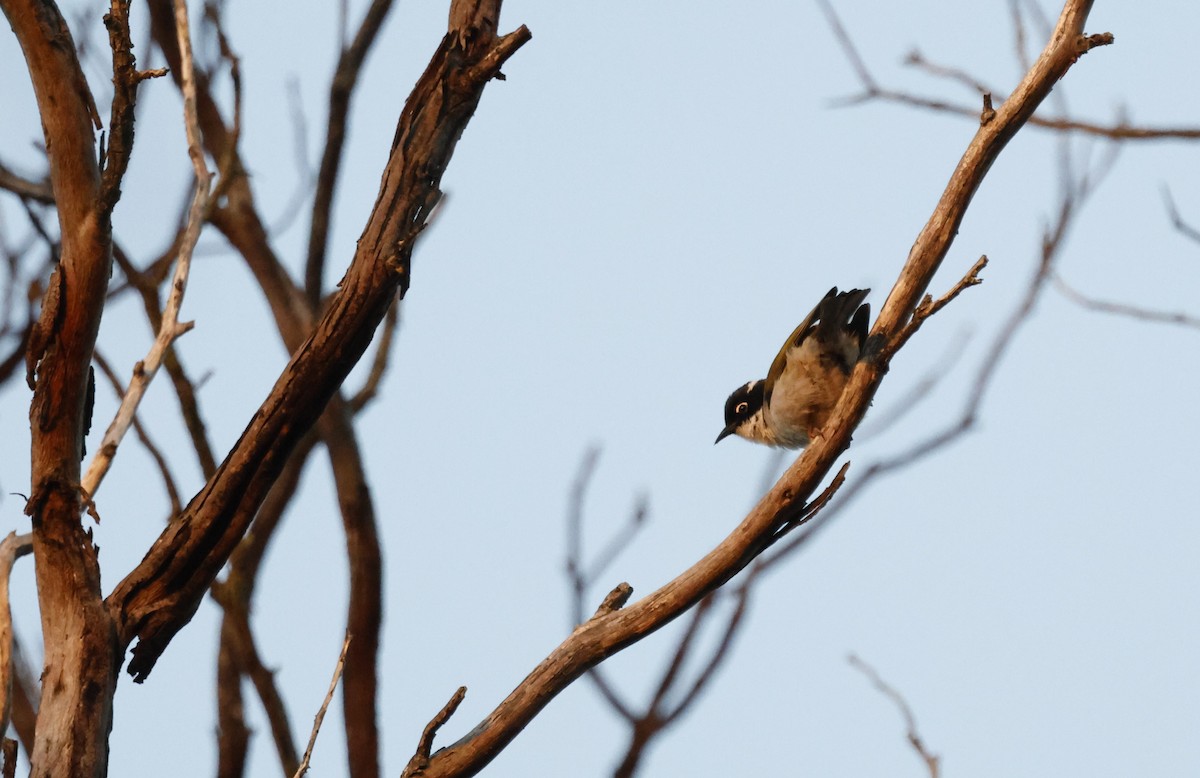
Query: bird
(789, 407)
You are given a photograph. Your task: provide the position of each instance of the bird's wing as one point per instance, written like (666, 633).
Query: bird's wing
(795, 339)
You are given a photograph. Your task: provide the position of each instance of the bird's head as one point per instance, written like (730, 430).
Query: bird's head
(744, 414)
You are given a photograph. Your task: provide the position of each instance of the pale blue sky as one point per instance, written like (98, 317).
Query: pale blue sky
(637, 217)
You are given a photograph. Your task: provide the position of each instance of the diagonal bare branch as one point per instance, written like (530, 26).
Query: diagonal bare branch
(320, 717)
(155, 600)
(609, 632)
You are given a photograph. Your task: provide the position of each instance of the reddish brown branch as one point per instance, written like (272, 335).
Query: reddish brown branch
(238, 639)
(237, 656)
(345, 79)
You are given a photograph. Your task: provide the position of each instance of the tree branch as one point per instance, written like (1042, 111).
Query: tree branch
(1122, 309)
(164, 469)
(79, 639)
(603, 636)
(162, 593)
(237, 655)
(420, 759)
(320, 717)
(345, 79)
(931, 760)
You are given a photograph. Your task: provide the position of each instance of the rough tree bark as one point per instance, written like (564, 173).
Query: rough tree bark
(79, 636)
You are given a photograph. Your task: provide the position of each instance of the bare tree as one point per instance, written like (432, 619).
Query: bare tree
(86, 635)
(229, 522)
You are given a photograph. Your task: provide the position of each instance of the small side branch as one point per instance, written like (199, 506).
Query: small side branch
(153, 450)
(928, 306)
(932, 761)
(420, 759)
(1177, 221)
(312, 739)
(871, 89)
(1122, 309)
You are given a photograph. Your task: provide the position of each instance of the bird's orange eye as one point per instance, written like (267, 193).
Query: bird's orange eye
(741, 407)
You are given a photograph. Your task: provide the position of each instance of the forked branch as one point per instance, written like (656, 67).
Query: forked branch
(163, 592)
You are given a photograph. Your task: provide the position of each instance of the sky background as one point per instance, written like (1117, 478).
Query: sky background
(636, 219)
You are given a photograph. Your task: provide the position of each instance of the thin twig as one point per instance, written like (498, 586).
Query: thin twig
(928, 306)
(171, 328)
(143, 436)
(917, 60)
(871, 90)
(1177, 221)
(884, 418)
(657, 716)
(580, 580)
(742, 595)
(1020, 47)
(320, 717)
(932, 761)
(622, 540)
(1122, 309)
(341, 89)
(811, 511)
(305, 175)
(579, 577)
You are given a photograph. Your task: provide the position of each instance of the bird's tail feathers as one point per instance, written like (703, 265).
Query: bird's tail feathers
(841, 313)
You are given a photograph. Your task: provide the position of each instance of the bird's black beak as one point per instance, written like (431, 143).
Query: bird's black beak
(729, 430)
